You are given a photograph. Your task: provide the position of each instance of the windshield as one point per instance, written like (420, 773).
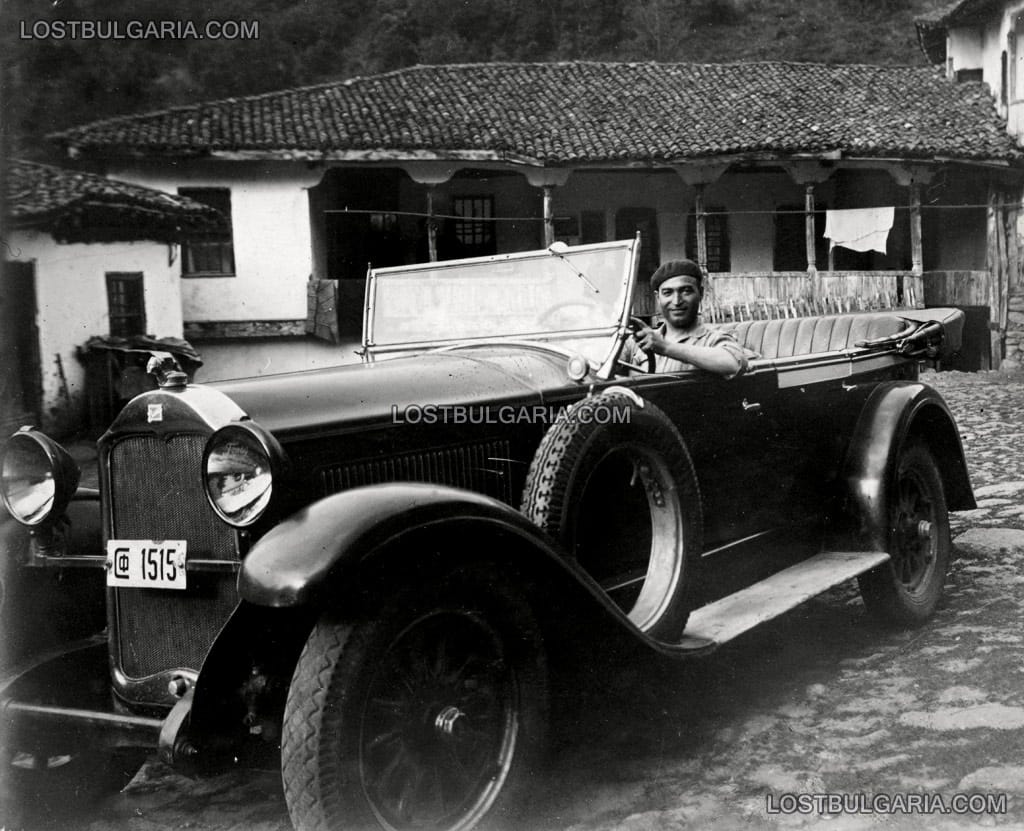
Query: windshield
(575, 296)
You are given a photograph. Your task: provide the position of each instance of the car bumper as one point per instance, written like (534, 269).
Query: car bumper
(63, 700)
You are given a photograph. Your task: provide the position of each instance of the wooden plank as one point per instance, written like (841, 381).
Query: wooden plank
(737, 613)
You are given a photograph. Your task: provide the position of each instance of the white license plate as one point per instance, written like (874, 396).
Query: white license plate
(146, 564)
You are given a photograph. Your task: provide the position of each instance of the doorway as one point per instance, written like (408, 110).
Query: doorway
(20, 378)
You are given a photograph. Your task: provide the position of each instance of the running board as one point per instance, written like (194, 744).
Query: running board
(734, 614)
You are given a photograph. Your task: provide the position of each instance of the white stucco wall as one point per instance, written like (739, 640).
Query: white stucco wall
(271, 233)
(966, 47)
(982, 47)
(270, 356)
(71, 296)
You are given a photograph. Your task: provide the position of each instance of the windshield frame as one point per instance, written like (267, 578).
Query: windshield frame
(615, 328)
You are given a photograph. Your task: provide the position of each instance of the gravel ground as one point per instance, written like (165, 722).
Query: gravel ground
(821, 701)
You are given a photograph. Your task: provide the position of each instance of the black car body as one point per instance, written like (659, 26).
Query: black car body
(370, 563)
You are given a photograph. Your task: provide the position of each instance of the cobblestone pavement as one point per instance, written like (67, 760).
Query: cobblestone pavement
(820, 701)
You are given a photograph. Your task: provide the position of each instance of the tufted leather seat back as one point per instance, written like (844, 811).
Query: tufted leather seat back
(805, 335)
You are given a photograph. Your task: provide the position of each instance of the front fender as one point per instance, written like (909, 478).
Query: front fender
(325, 544)
(894, 414)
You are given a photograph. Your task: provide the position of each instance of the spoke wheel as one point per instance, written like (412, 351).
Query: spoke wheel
(914, 543)
(906, 590)
(429, 716)
(439, 727)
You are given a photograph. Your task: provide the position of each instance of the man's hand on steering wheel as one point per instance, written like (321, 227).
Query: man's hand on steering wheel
(650, 341)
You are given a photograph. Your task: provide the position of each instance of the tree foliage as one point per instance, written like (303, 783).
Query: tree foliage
(51, 84)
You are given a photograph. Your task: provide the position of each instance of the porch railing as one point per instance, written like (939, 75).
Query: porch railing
(779, 294)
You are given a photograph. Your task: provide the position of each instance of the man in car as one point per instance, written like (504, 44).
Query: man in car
(682, 341)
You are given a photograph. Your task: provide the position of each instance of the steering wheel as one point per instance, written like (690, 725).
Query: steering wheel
(548, 318)
(649, 362)
(649, 367)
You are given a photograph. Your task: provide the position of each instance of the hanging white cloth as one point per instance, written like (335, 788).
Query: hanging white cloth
(859, 229)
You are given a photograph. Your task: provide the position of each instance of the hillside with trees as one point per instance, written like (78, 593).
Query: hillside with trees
(50, 84)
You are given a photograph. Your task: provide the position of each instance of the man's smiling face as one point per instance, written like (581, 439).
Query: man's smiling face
(679, 301)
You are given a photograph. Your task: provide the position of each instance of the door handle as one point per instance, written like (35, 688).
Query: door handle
(751, 406)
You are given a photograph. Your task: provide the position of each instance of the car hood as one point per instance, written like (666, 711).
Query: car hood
(350, 396)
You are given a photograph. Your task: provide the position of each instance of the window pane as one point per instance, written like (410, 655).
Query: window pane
(716, 234)
(126, 304)
(212, 253)
(474, 229)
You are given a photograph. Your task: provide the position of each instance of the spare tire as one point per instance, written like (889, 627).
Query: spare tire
(614, 483)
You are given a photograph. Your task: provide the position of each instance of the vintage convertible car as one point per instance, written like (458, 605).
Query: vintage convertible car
(369, 567)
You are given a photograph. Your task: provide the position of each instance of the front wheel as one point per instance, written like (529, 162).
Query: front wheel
(431, 715)
(906, 590)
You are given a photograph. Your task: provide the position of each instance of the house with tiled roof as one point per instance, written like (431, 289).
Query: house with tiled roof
(982, 41)
(84, 256)
(735, 165)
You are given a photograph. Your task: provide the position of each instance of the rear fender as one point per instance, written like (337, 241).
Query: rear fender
(894, 414)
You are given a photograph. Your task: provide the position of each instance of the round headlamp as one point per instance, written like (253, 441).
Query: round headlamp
(38, 478)
(240, 464)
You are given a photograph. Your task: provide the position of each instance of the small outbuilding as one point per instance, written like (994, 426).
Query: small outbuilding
(84, 256)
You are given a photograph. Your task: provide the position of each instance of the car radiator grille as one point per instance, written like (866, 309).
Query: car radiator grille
(156, 493)
(484, 467)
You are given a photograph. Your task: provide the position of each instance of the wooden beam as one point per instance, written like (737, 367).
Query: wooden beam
(700, 174)
(805, 172)
(540, 177)
(429, 172)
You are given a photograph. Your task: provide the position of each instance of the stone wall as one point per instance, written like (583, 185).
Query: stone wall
(1014, 349)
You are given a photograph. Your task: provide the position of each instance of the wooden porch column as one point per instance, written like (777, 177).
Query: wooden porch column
(547, 179)
(431, 174)
(702, 227)
(913, 177)
(916, 257)
(812, 253)
(808, 173)
(431, 225)
(698, 177)
(549, 218)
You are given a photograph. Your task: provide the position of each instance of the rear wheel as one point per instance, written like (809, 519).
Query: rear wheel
(906, 590)
(429, 716)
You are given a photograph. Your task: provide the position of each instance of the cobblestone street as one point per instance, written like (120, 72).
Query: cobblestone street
(821, 701)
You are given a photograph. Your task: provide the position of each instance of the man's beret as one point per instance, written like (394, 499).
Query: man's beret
(676, 268)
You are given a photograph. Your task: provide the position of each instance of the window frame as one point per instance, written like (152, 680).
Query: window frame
(474, 233)
(713, 216)
(222, 244)
(119, 299)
